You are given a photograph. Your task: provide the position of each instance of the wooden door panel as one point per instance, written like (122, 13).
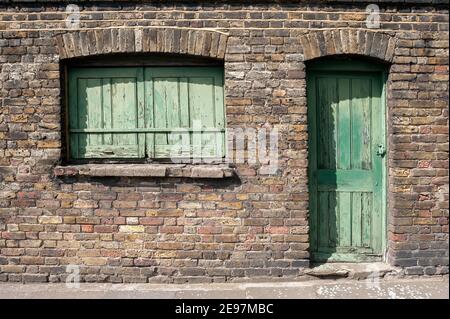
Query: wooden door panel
(361, 126)
(344, 219)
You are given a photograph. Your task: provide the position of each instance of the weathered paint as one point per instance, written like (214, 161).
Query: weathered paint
(120, 113)
(179, 97)
(105, 99)
(346, 174)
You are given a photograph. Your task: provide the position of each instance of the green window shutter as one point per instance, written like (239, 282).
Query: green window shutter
(105, 103)
(188, 99)
(119, 113)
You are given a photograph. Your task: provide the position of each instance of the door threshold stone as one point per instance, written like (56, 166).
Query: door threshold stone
(358, 271)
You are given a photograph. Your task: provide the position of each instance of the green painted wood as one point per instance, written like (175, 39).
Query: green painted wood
(140, 95)
(366, 219)
(356, 221)
(346, 122)
(132, 112)
(149, 115)
(343, 123)
(345, 219)
(333, 221)
(73, 114)
(99, 99)
(124, 113)
(378, 164)
(344, 180)
(107, 111)
(219, 111)
(160, 96)
(361, 124)
(202, 110)
(323, 217)
(184, 137)
(173, 109)
(94, 114)
(327, 137)
(186, 99)
(82, 121)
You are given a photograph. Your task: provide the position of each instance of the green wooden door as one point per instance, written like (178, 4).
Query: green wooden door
(346, 116)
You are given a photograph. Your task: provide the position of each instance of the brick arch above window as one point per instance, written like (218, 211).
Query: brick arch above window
(206, 43)
(374, 44)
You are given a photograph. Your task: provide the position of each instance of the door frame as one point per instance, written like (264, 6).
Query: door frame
(349, 64)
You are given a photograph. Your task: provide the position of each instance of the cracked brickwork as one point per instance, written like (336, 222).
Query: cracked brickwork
(179, 229)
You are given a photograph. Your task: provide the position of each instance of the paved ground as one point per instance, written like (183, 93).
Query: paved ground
(313, 289)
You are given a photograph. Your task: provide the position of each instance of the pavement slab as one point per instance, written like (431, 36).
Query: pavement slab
(416, 288)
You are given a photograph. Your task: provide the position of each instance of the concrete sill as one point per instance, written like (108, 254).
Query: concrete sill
(146, 170)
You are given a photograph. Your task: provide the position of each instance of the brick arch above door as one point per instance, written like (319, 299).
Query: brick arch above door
(374, 44)
(196, 42)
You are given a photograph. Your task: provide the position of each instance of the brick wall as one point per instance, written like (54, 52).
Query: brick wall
(131, 229)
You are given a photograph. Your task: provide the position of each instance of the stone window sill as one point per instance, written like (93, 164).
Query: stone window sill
(146, 170)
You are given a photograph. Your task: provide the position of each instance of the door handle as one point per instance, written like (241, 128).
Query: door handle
(381, 150)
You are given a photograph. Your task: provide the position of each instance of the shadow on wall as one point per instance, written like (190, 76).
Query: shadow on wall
(229, 183)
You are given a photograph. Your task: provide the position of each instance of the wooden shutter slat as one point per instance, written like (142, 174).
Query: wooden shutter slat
(220, 113)
(100, 151)
(107, 111)
(173, 108)
(82, 114)
(94, 109)
(149, 112)
(160, 111)
(140, 111)
(201, 95)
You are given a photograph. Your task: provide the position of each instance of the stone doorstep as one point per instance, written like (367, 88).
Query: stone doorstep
(146, 170)
(358, 271)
